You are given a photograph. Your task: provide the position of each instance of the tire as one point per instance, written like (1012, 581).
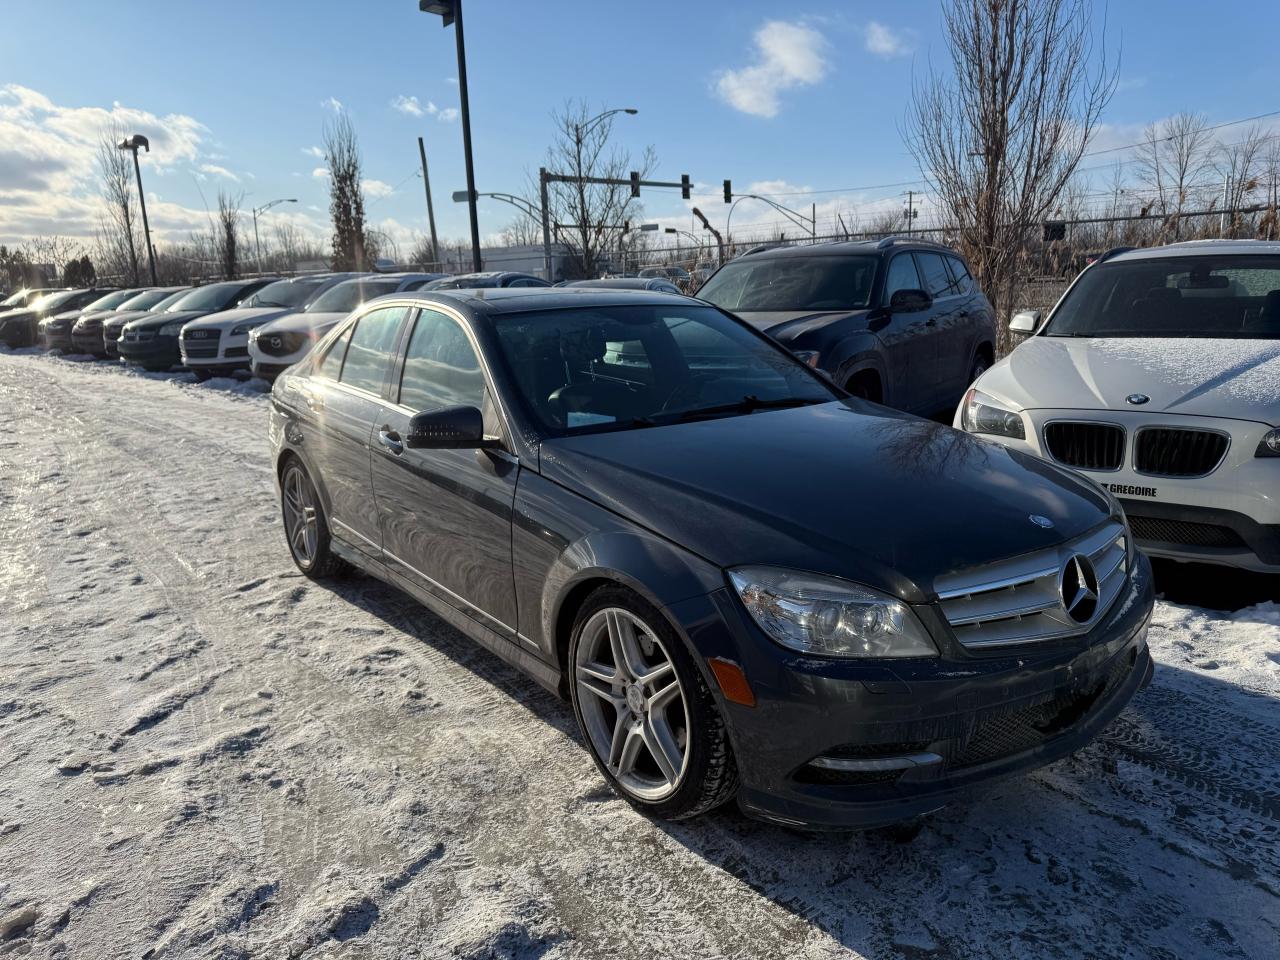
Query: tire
(620, 713)
(201, 374)
(310, 543)
(980, 366)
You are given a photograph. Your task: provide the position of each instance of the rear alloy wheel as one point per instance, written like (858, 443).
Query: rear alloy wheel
(304, 524)
(652, 725)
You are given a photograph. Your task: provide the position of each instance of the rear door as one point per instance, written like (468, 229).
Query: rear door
(446, 514)
(910, 352)
(940, 325)
(958, 334)
(344, 397)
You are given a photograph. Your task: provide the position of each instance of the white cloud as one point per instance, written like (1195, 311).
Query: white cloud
(332, 103)
(377, 188)
(884, 41)
(213, 170)
(788, 55)
(414, 108)
(313, 152)
(320, 173)
(453, 81)
(411, 106)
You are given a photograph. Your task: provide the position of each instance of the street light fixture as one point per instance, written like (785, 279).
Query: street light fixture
(450, 12)
(133, 143)
(263, 209)
(799, 219)
(600, 117)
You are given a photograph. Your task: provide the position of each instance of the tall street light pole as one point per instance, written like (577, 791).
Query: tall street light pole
(257, 245)
(133, 143)
(450, 12)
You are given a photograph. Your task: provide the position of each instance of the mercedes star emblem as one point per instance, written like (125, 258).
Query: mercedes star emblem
(1137, 399)
(1078, 588)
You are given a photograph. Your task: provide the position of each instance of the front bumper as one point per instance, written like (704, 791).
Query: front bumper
(56, 338)
(160, 353)
(269, 371)
(17, 333)
(982, 716)
(87, 342)
(226, 353)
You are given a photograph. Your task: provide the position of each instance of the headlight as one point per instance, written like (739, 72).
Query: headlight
(808, 357)
(1270, 444)
(172, 329)
(244, 328)
(829, 616)
(982, 414)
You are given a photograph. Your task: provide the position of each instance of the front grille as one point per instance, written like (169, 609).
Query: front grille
(202, 351)
(1090, 446)
(111, 333)
(1184, 532)
(282, 344)
(142, 337)
(1170, 452)
(237, 352)
(1018, 600)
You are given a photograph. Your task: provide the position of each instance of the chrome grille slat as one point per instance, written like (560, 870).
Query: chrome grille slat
(1017, 600)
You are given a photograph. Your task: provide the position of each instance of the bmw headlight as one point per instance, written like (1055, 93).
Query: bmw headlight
(982, 414)
(172, 329)
(1270, 444)
(828, 616)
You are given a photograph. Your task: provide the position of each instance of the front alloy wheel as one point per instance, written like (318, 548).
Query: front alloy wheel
(653, 726)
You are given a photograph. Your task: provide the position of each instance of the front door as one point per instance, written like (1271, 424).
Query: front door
(345, 398)
(446, 514)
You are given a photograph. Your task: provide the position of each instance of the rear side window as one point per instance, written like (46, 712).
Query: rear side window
(440, 367)
(331, 365)
(369, 352)
(963, 282)
(934, 273)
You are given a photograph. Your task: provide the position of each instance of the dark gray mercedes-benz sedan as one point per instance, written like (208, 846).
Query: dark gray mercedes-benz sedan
(748, 583)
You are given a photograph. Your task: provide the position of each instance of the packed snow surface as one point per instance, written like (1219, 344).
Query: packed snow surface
(203, 754)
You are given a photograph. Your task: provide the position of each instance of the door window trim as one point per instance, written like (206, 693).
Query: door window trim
(945, 269)
(410, 311)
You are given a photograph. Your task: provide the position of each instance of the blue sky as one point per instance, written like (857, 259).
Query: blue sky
(239, 90)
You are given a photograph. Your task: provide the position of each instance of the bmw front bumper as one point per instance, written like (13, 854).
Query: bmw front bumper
(898, 739)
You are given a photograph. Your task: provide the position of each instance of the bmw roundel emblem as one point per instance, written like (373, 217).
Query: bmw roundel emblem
(1040, 521)
(1137, 399)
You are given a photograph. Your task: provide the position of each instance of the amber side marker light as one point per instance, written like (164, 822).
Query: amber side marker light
(733, 682)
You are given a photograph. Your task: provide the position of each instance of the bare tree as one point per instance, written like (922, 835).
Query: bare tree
(1003, 134)
(1239, 166)
(380, 245)
(591, 215)
(226, 234)
(118, 235)
(524, 230)
(346, 194)
(1172, 163)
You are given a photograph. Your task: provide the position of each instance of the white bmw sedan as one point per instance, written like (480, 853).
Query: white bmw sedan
(1158, 376)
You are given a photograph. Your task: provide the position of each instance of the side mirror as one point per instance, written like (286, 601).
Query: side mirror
(909, 301)
(449, 428)
(1025, 322)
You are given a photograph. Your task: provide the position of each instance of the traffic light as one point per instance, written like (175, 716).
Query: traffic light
(728, 192)
(635, 183)
(684, 186)
(1055, 230)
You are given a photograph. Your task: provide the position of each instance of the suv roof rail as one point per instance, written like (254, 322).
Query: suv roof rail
(1113, 252)
(757, 249)
(886, 242)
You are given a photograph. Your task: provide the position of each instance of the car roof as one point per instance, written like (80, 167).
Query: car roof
(1200, 248)
(504, 300)
(849, 247)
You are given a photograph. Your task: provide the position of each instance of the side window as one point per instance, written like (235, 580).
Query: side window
(331, 364)
(963, 282)
(440, 367)
(416, 284)
(934, 273)
(901, 276)
(370, 349)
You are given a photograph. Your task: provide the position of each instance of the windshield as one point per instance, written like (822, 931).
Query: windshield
(110, 301)
(51, 301)
(216, 296)
(1232, 296)
(609, 368)
(17, 299)
(792, 283)
(346, 296)
(285, 293)
(145, 300)
(171, 302)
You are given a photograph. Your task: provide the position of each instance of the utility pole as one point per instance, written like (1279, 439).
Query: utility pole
(431, 214)
(1226, 193)
(911, 210)
(546, 225)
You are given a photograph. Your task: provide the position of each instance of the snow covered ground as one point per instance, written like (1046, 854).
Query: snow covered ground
(203, 754)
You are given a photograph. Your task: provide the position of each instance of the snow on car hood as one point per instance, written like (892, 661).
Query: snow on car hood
(229, 318)
(1194, 376)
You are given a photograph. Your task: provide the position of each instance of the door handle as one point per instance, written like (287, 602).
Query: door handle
(391, 440)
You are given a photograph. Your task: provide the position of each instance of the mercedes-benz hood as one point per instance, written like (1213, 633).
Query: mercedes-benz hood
(1211, 377)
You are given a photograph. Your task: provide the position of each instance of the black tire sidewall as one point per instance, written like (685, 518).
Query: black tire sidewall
(323, 561)
(688, 797)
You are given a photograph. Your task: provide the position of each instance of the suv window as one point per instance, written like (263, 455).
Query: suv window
(934, 273)
(370, 349)
(960, 273)
(440, 367)
(902, 275)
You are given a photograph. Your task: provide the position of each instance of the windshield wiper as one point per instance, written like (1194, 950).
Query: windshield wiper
(748, 404)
